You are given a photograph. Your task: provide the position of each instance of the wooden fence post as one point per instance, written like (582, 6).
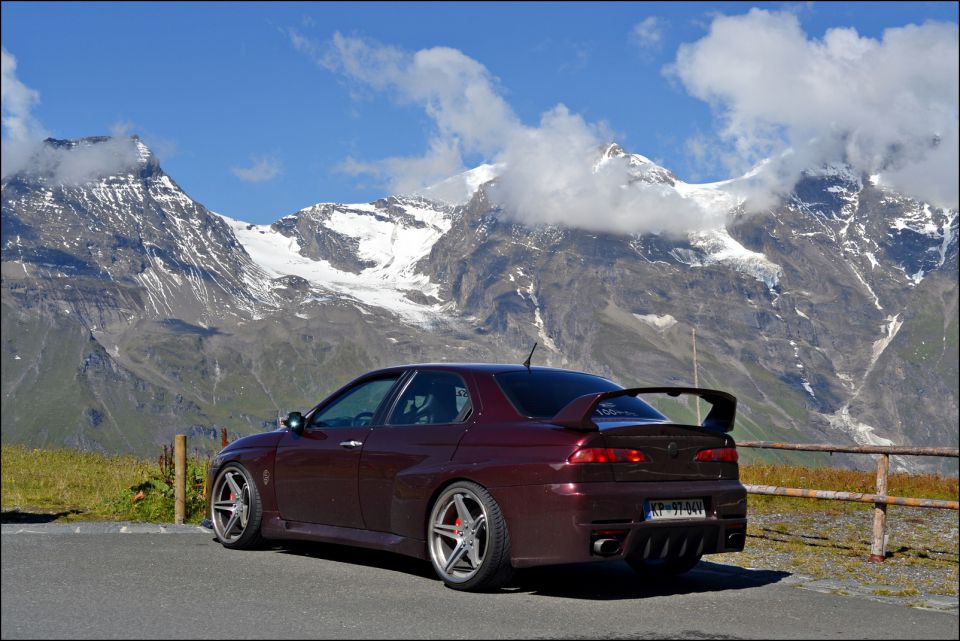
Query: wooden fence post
(180, 478)
(223, 437)
(878, 551)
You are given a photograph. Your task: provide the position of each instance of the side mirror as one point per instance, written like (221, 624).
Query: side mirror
(294, 422)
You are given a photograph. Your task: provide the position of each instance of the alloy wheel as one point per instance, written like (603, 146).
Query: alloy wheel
(230, 507)
(458, 535)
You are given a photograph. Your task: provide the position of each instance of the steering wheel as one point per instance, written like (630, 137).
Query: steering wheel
(363, 418)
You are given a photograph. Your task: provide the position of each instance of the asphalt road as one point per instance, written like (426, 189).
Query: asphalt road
(103, 583)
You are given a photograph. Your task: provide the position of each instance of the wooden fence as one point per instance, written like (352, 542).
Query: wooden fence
(880, 499)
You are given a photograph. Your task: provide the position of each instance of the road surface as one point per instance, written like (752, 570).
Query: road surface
(177, 582)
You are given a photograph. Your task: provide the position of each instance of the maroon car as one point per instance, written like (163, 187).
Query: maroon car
(487, 468)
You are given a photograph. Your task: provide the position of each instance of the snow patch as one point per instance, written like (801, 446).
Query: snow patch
(143, 152)
(866, 285)
(459, 189)
(862, 433)
(719, 247)
(892, 325)
(659, 322)
(948, 238)
(538, 320)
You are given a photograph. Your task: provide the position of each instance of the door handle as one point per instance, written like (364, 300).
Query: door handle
(351, 445)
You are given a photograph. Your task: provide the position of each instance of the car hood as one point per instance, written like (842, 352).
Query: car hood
(268, 439)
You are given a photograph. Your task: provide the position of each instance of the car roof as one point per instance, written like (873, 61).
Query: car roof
(483, 368)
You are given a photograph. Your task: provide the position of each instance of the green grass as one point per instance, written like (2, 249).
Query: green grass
(75, 485)
(78, 484)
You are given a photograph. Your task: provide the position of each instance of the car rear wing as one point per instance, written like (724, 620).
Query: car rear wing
(578, 413)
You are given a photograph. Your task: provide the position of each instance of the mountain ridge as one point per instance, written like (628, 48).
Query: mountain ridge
(809, 310)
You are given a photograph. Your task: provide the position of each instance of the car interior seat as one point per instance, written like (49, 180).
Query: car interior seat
(442, 399)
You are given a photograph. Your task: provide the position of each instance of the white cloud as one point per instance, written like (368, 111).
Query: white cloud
(303, 44)
(550, 173)
(553, 177)
(794, 103)
(85, 160)
(21, 131)
(70, 162)
(456, 91)
(264, 168)
(648, 33)
(121, 128)
(17, 102)
(412, 175)
(884, 106)
(24, 150)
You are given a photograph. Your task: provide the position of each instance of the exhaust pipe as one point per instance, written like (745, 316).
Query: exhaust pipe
(606, 547)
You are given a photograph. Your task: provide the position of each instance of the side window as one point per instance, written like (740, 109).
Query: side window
(356, 406)
(432, 398)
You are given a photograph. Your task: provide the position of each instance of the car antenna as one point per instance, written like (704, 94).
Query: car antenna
(526, 363)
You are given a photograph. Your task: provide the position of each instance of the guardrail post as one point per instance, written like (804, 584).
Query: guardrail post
(878, 551)
(180, 478)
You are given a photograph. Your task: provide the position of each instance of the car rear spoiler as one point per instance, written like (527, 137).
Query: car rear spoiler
(578, 413)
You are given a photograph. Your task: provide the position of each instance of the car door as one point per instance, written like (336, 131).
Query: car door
(316, 470)
(425, 423)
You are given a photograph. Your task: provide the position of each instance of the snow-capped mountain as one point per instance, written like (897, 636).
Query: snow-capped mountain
(366, 252)
(136, 228)
(832, 316)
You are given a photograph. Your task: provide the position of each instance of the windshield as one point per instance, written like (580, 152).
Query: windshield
(541, 394)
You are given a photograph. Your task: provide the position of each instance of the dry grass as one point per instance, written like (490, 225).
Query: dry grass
(924, 486)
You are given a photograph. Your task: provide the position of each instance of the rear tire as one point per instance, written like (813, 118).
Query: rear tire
(236, 509)
(467, 539)
(665, 567)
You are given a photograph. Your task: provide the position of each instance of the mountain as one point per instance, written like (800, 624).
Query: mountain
(131, 312)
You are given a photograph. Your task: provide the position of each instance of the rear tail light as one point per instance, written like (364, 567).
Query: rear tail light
(724, 454)
(606, 455)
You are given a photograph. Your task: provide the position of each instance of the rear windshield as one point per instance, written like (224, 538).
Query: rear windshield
(541, 394)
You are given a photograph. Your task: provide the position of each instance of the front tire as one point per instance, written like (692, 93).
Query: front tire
(236, 509)
(467, 539)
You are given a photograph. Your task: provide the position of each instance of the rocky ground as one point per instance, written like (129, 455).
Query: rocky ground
(827, 550)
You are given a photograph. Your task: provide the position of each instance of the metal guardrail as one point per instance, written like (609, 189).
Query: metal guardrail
(880, 499)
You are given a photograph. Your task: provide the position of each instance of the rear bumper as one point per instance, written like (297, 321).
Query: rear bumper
(559, 523)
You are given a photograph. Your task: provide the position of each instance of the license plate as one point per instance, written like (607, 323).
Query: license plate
(665, 509)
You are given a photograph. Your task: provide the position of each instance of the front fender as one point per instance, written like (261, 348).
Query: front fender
(258, 459)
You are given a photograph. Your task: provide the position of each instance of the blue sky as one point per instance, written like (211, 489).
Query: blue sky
(232, 98)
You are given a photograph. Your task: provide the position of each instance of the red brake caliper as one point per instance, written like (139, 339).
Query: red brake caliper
(457, 522)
